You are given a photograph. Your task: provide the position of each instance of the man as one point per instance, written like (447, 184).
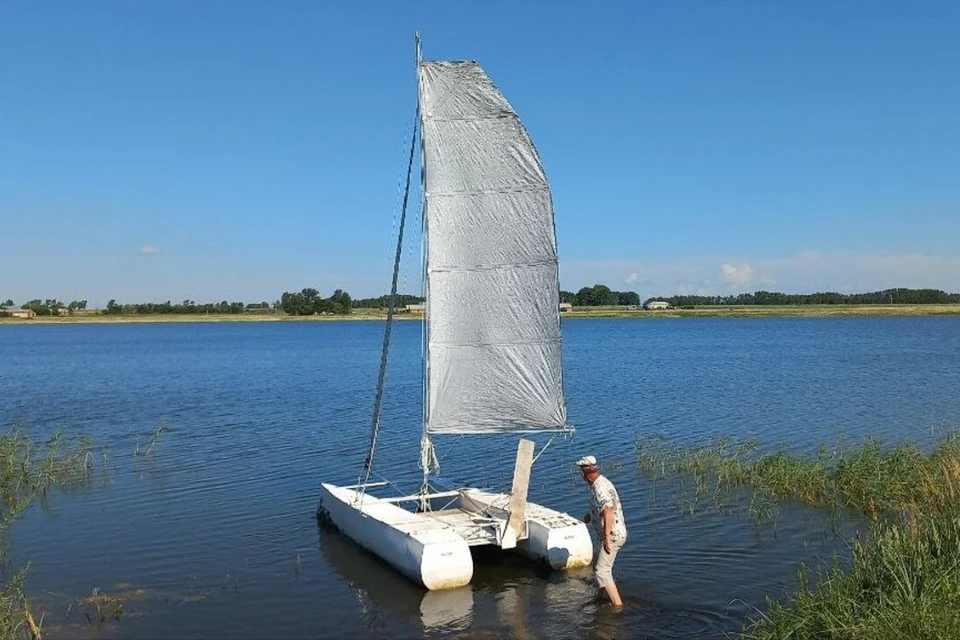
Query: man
(607, 517)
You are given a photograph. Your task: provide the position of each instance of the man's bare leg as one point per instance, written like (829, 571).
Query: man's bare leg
(614, 594)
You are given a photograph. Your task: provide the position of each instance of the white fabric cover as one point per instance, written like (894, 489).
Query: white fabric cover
(493, 327)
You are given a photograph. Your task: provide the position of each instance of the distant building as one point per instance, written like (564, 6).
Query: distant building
(415, 308)
(63, 311)
(14, 312)
(656, 304)
(565, 306)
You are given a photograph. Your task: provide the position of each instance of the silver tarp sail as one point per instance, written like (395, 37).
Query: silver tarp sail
(493, 327)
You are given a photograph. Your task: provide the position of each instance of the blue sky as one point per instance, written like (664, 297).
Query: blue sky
(235, 150)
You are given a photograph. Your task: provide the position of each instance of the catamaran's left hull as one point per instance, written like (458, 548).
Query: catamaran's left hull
(422, 549)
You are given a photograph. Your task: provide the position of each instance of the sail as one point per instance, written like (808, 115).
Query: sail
(493, 323)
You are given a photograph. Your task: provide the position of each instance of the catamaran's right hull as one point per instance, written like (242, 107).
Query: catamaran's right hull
(553, 537)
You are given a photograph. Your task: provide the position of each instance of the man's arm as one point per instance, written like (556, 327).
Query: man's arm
(607, 527)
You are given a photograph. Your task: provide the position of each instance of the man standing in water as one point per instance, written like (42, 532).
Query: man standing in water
(607, 517)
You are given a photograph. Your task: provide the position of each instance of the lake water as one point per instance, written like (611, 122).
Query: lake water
(215, 534)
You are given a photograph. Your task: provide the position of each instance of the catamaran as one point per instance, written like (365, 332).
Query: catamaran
(492, 343)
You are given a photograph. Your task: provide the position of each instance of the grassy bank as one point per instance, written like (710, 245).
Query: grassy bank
(904, 576)
(29, 470)
(771, 311)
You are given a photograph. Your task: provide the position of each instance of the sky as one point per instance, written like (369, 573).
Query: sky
(233, 150)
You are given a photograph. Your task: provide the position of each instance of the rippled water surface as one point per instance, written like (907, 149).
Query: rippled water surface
(215, 534)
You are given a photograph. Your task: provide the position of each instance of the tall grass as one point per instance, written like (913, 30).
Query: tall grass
(872, 478)
(28, 470)
(903, 580)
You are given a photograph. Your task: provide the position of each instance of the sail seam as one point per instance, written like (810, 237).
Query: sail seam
(483, 192)
(482, 345)
(458, 431)
(494, 267)
(499, 116)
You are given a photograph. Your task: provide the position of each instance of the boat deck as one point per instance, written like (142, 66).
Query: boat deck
(475, 528)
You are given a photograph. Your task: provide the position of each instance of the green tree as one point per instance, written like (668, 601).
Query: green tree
(596, 296)
(628, 298)
(340, 302)
(38, 307)
(308, 302)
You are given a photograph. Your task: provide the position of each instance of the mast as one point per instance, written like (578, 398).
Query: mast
(427, 456)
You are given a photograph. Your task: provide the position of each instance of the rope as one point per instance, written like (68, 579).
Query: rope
(428, 455)
(428, 460)
(378, 403)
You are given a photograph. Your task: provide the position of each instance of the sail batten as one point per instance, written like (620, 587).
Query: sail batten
(493, 329)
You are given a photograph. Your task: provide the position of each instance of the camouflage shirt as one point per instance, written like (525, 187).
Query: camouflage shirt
(603, 494)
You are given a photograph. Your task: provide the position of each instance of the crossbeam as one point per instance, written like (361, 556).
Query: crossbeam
(366, 485)
(420, 496)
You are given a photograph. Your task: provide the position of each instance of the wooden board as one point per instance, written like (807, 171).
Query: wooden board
(521, 484)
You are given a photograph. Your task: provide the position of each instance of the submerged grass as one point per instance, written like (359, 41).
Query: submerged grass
(29, 470)
(903, 579)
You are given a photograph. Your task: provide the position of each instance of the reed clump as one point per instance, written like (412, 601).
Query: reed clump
(871, 478)
(903, 578)
(28, 470)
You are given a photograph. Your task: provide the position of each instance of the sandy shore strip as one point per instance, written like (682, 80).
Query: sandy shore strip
(758, 311)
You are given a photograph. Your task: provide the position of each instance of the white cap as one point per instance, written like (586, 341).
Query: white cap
(587, 461)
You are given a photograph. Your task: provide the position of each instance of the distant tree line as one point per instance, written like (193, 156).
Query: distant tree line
(48, 307)
(887, 296)
(383, 301)
(599, 295)
(186, 307)
(310, 302)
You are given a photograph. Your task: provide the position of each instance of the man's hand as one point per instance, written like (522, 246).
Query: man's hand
(606, 543)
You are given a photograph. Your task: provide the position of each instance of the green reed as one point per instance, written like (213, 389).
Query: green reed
(28, 470)
(903, 579)
(872, 478)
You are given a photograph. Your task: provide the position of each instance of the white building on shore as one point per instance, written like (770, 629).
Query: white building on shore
(656, 304)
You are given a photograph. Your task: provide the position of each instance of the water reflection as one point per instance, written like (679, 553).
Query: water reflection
(508, 597)
(378, 586)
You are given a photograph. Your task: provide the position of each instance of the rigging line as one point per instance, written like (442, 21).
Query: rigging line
(378, 403)
(449, 449)
(549, 442)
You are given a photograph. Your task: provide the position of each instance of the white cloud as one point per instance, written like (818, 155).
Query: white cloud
(634, 278)
(738, 275)
(148, 250)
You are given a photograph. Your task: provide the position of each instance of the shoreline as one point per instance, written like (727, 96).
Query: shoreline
(760, 311)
